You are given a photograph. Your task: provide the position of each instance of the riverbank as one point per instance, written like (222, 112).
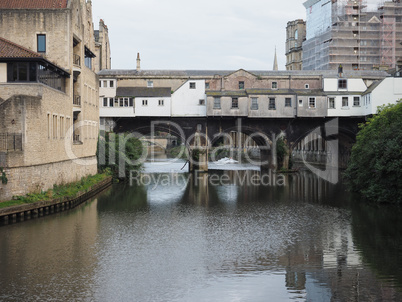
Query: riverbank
(72, 195)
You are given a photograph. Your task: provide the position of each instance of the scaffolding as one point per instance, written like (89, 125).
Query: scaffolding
(357, 37)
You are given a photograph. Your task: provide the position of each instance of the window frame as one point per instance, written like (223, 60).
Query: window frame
(271, 104)
(354, 101)
(41, 45)
(274, 85)
(331, 100)
(254, 103)
(241, 85)
(235, 103)
(192, 85)
(347, 102)
(288, 102)
(342, 84)
(312, 103)
(217, 102)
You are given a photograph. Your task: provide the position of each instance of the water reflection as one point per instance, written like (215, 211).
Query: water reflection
(215, 236)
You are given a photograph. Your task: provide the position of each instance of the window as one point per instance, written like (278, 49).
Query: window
(111, 102)
(206, 85)
(342, 84)
(300, 103)
(235, 103)
(306, 86)
(41, 41)
(125, 102)
(311, 103)
(54, 126)
(144, 102)
(345, 101)
(296, 34)
(121, 102)
(111, 84)
(201, 102)
(192, 85)
(150, 84)
(254, 103)
(88, 58)
(241, 84)
(100, 83)
(105, 102)
(131, 102)
(105, 84)
(88, 62)
(21, 72)
(161, 102)
(274, 85)
(217, 103)
(356, 101)
(331, 103)
(288, 102)
(272, 105)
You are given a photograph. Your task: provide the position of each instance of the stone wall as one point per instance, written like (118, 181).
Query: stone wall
(37, 178)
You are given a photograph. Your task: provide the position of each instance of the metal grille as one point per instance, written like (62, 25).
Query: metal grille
(10, 142)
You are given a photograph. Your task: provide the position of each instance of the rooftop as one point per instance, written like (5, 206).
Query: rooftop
(33, 4)
(9, 49)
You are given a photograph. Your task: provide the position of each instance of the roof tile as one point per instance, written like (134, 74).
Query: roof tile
(27, 4)
(9, 49)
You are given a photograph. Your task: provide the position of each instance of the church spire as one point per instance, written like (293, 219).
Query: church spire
(275, 61)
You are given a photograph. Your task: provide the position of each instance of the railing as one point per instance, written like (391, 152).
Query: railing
(77, 100)
(10, 142)
(76, 60)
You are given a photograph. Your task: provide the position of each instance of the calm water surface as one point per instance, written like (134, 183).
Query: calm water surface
(223, 236)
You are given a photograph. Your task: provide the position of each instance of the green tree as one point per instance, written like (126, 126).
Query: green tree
(375, 167)
(109, 154)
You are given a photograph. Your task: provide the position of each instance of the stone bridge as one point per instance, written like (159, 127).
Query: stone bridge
(200, 134)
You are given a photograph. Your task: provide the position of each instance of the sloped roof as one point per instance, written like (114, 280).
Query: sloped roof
(9, 49)
(143, 91)
(21, 4)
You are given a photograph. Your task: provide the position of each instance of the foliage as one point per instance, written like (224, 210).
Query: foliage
(109, 154)
(375, 168)
(177, 151)
(282, 150)
(3, 176)
(65, 190)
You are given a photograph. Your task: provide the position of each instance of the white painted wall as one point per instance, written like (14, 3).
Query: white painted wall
(106, 90)
(349, 110)
(116, 111)
(388, 92)
(3, 72)
(153, 108)
(356, 85)
(186, 100)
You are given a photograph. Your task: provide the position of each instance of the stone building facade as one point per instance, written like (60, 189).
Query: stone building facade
(49, 95)
(102, 48)
(295, 36)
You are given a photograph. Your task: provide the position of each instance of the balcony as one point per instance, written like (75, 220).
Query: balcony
(76, 139)
(77, 100)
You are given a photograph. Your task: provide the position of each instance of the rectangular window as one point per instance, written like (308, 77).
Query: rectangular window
(271, 104)
(88, 62)
(144, 102)
(125, 102)
(111, 84)
(306, 86)
(356, 101)
(201, 102)
(311, 103)
(288, 102)
(131, 102)
(104, 84)
(345, 101)
(111, 100)
(217, 103)
(331, 103)
(342, 84)
(254, 103)
(121, 102)
(300, 103)
(41, 41)
(105, 102)
(241, 85)
(235, 103)
(206, 85)
(100, 83)
(150, 84)
(192, 85)
(274, 85)
(161, 102)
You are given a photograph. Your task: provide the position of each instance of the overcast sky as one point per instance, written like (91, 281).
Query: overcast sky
(204, 34)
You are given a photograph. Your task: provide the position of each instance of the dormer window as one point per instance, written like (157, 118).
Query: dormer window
(192, 85)
(342, 84)
(150, 84)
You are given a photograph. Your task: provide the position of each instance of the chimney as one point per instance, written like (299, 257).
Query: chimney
(138, 61)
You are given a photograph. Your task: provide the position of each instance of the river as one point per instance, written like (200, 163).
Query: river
(229, 235)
